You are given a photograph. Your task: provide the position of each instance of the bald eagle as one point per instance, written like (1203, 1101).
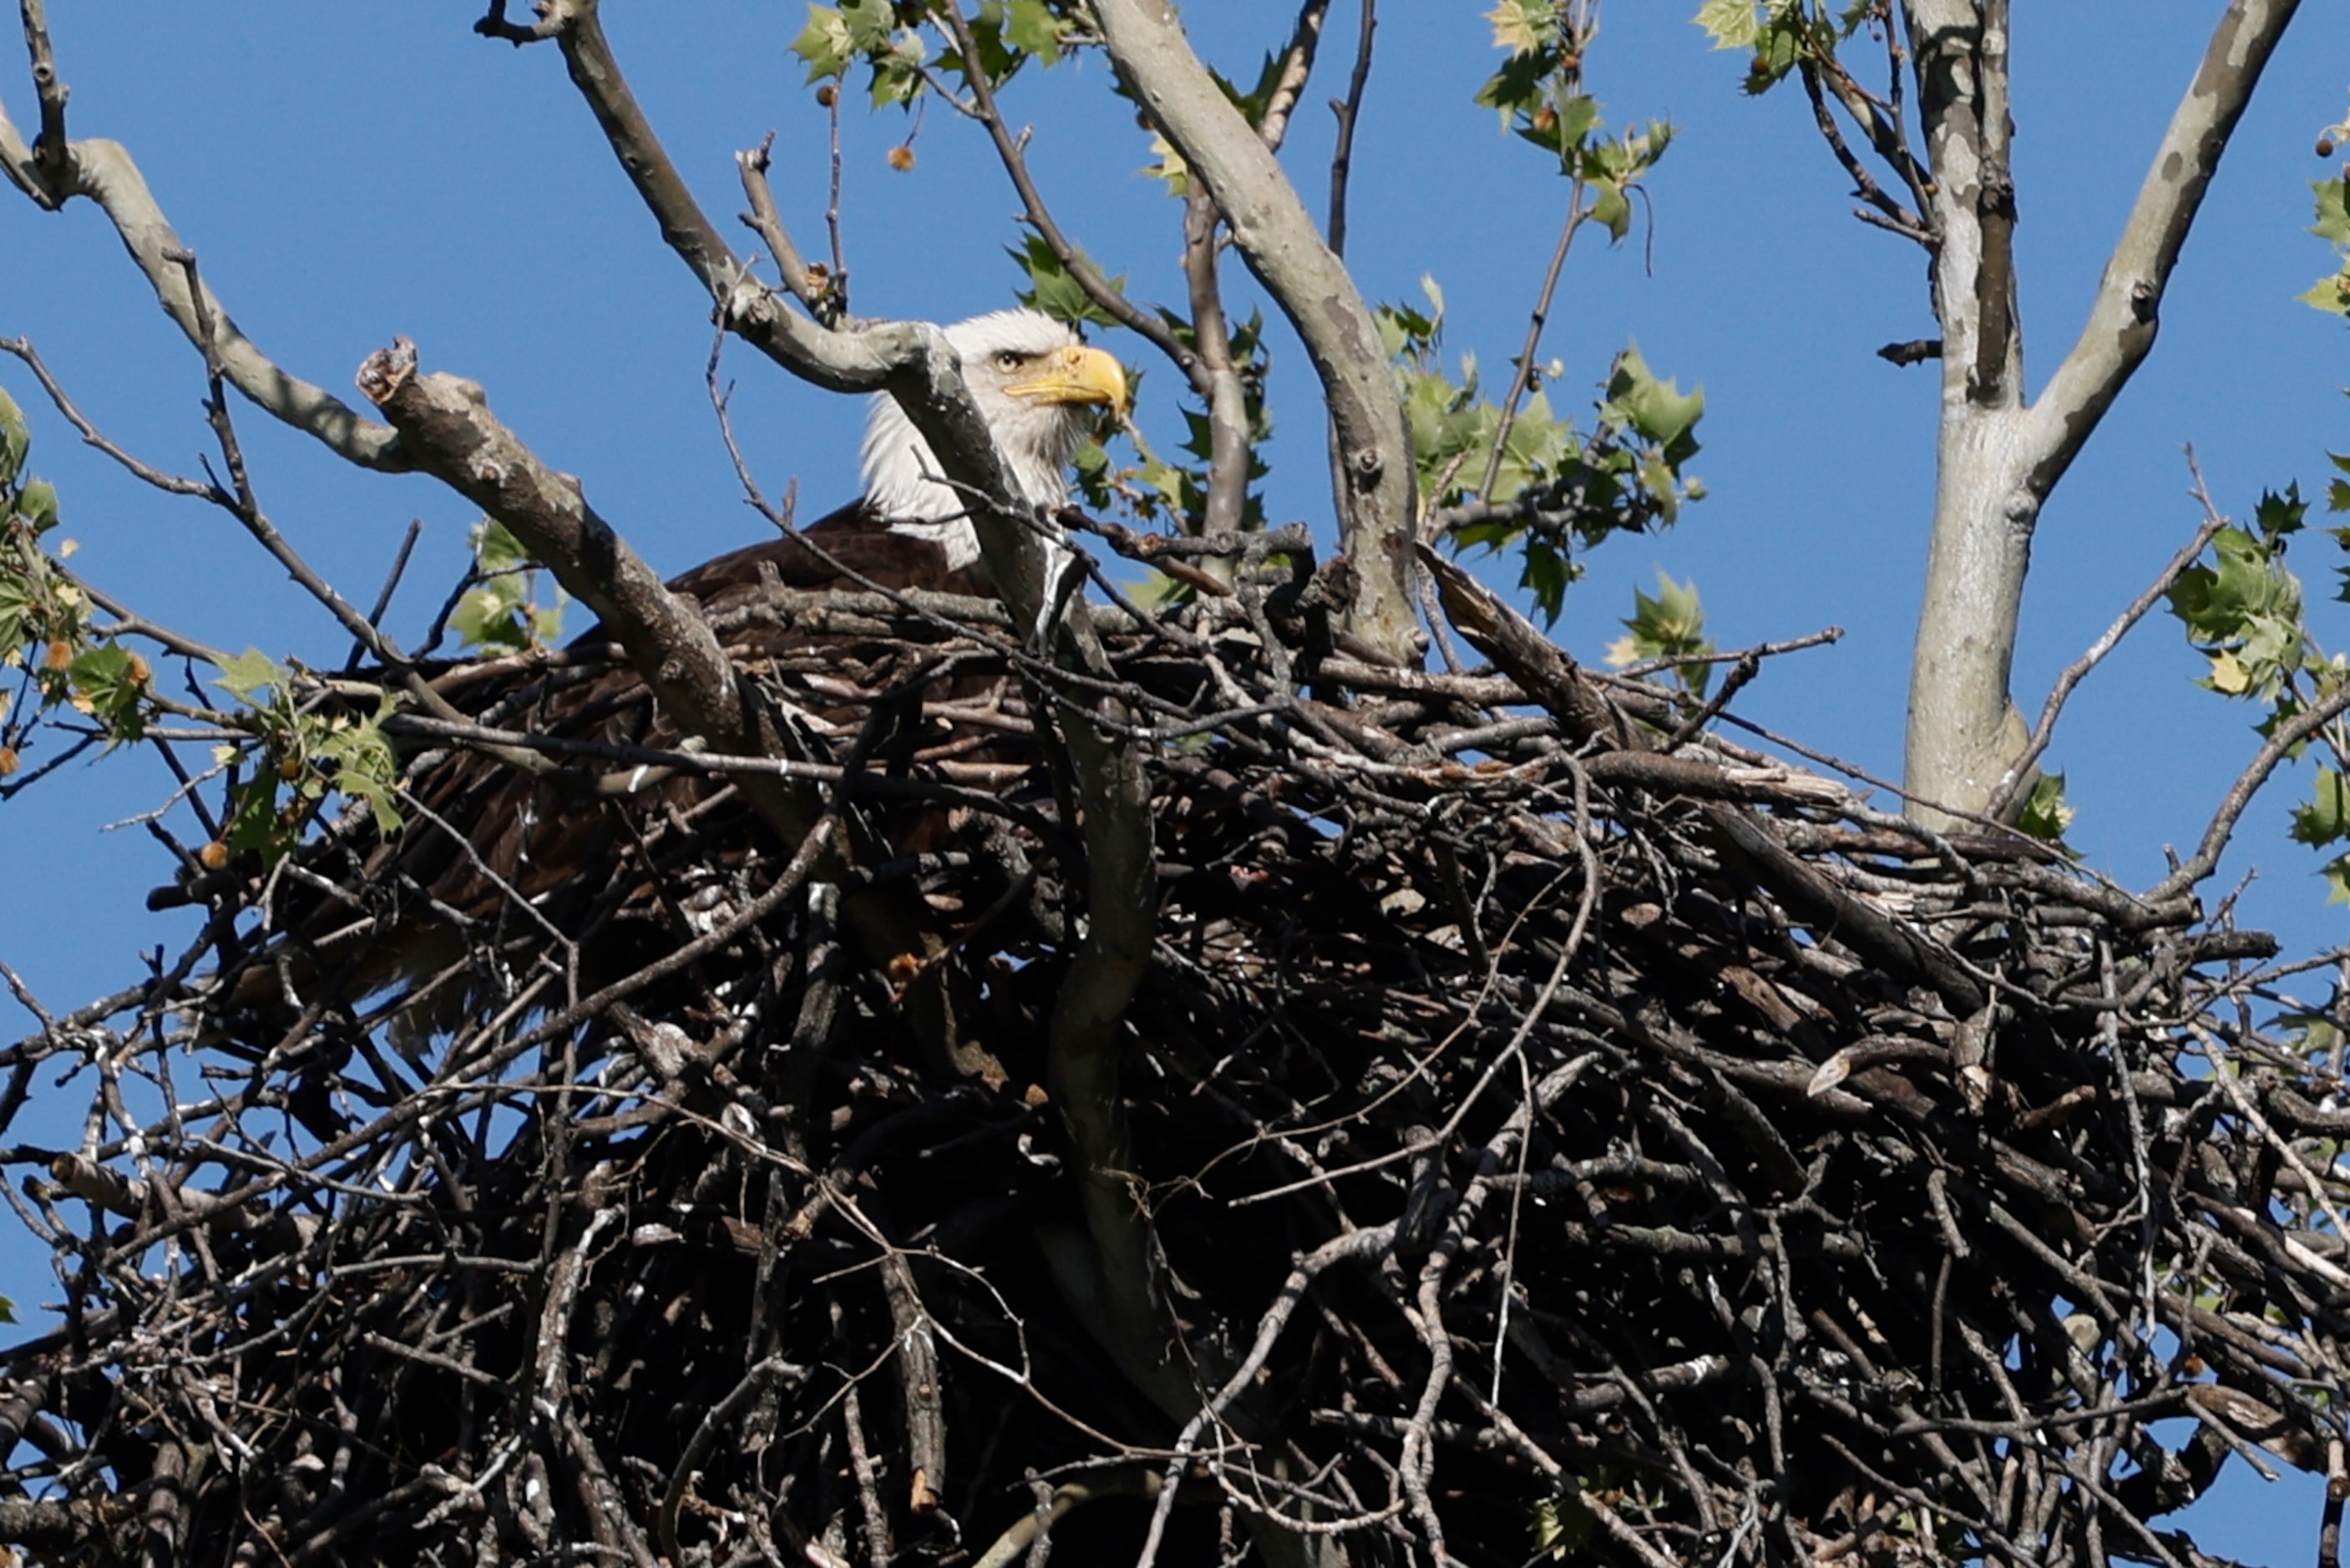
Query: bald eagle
(1034, 384)
(483, 839)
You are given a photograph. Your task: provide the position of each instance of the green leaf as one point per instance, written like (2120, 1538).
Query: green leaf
(1524, 27)
(1612, 211)
(1656, 410)
(1546, 574)
(1670, 624)
(16, 441)
(495, 549)
(2336, 873)
(254, 821)
(1579, 117)
(1029, 25)
(2333, 224)
(2326, 818)
(485, 617)
(500, 612)
(1055, 290)
(107, 683)
(2045, 814)
(824, 44)
(364, 767)
(37, 504)
(250, 674)
(1563, 1526)
(2279, 516)
(1731, 24)
(869, 23)
(1518, 87)
(2331, 294)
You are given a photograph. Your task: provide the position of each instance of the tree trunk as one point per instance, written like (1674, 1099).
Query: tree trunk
(1999, 456)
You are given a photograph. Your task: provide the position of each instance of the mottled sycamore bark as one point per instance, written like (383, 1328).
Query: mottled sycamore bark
(2000, 455)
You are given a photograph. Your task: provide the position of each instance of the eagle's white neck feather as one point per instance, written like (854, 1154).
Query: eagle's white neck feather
(1037, 439)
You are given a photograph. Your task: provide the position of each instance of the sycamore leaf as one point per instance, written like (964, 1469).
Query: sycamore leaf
(252, 673)
(2228, 674)
(2278, 516)
(1028, 25)
(2333, 211)
(108, 682)
(1612, 211)
(1522, 26)
(495, 549)
(365, 768)
(1546, 574)
(2326, 817)
(824, 44)
(2046, 814)
(15, 440)
(1669, 624)
(1563, 1525)
(1731, 24)
(1055, 290)
(37, 504)
(1654, 409)
(2331, 294)
(1170, 170)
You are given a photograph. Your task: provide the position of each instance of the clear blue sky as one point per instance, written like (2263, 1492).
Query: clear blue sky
(353, 173)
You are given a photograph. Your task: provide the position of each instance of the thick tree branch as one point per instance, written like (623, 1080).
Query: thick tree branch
(104, 172)
(56, 171)
(2122, 323)
(1227, 399)
(52, 93)
(1374, 478)
(449, 427)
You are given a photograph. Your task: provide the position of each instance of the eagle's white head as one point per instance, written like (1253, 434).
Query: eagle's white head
(1034, 383)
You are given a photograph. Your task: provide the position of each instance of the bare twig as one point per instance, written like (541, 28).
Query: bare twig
(2002, 801)
(1348, 110)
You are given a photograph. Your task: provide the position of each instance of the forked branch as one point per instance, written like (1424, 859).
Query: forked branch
(1376, 477)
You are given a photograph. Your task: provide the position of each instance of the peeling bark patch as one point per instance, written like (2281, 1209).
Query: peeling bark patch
(2220, 60)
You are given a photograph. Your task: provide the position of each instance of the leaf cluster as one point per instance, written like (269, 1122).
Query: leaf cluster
(1782, 34)
(58, 658)
(2244, 612)
(1555, 488)
(2332, 294)
(891, 41)
(301, 750)
(1539, 96)
(500, 612)
(1669, 625)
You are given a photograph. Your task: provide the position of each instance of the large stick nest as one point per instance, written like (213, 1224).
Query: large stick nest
(1649, 1154)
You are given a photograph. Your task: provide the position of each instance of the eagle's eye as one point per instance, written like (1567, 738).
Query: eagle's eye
(1009, 359)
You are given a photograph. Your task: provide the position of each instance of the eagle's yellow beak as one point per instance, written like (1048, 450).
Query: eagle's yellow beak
(1074, 375)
